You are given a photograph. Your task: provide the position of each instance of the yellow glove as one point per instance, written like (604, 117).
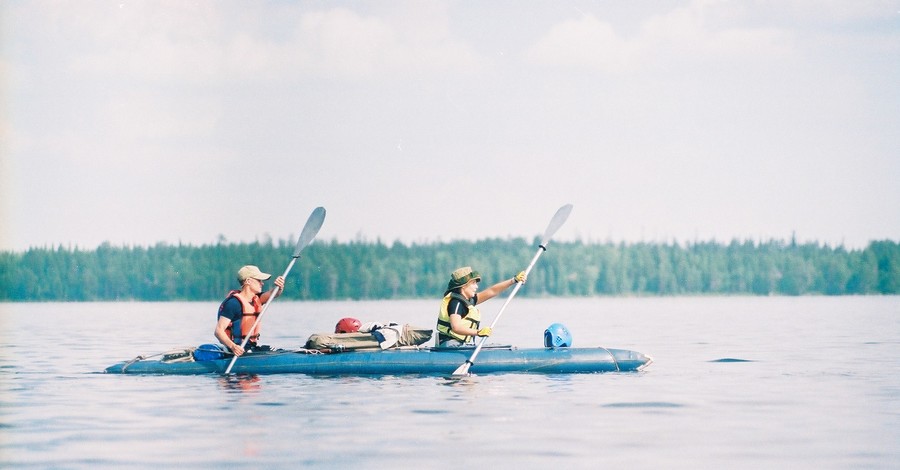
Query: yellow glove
(486, 331)
(521, 277)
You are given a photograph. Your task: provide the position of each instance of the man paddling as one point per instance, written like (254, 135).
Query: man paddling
(239, 311)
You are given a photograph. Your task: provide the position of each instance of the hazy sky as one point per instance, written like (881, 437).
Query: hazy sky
(137, 122)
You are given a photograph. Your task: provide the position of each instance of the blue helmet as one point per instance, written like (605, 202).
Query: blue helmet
(557, 336)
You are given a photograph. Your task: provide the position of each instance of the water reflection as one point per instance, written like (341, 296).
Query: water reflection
(240, 383)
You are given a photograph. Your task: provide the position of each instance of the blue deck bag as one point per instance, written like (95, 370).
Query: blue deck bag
(208, 352)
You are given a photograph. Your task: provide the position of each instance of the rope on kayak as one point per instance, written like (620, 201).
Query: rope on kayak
(613, 356)
(172, 355)
(127, 364)
(302, 351)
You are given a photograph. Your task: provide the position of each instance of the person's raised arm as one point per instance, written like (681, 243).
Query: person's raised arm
(279, 282)
(501, 286)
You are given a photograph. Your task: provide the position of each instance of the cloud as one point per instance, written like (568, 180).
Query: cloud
(340, 43)
(697, 32)
(198, 42)
(586, 42)
(141, 41)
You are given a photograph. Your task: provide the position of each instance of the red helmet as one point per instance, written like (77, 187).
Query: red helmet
(347, 325)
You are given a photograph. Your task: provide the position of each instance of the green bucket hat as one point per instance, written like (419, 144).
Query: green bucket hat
(461, 277)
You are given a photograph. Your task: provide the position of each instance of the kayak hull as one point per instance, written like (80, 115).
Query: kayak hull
(425, 361)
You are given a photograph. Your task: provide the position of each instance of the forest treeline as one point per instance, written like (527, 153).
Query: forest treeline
(374, 270)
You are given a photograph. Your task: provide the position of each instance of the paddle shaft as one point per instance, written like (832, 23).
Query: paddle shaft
(313, 224)
(512, 294)
(558, 219)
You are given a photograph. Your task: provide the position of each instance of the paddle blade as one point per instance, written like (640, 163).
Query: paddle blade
(462, 370)
(558, 219)
(313, 224)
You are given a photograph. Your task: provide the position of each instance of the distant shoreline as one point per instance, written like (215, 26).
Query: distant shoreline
(375, 271)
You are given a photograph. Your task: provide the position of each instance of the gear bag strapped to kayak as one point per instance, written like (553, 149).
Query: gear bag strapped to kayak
(370, 336)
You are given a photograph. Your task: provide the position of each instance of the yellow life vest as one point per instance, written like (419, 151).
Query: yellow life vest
(473, 316)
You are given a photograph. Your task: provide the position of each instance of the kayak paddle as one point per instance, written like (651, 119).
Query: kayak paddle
(560, 218)
(313, 224)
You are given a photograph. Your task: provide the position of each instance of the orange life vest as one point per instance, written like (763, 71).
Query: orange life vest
(250, 311)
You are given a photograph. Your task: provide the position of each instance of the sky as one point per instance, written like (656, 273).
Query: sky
(145, 122)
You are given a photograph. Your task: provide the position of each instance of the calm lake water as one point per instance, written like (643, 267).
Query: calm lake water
(737, 382)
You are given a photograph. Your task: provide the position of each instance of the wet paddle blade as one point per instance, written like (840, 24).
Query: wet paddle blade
(462, 370)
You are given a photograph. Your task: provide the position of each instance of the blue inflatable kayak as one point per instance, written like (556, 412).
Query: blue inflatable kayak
(418, 361)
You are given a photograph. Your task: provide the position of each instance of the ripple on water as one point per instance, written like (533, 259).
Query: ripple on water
(431, 412)
(644, 404)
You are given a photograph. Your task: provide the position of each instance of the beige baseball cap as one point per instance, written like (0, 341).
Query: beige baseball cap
(252, 272)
